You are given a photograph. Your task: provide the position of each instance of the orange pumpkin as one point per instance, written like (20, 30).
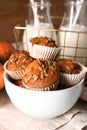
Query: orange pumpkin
(6, 49)
(1, 76)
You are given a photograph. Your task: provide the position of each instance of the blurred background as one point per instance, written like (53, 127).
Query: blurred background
(14, 11)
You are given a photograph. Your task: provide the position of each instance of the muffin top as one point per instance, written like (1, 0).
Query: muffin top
(69, 66)
(19, 60)
(44, 41)
(41, 74)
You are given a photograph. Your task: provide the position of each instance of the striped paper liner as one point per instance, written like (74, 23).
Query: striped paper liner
(43, 52)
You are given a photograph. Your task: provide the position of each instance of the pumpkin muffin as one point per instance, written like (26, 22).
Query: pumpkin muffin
(85, 82)
(41, 75)
(84, 91)
(68, 66)
(18, 83)
(43, 48)
(71, 72)
(17, 63)
(44, 41)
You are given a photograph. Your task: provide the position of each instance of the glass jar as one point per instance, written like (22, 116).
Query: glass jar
(73, 31)
(40, 10)
(39, 20)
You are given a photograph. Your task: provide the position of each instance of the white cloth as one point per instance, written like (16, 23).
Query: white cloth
(13, 119)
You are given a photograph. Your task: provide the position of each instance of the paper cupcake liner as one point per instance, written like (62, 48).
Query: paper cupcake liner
(14, 74)
(50, 88)
(43, 52)
(72, 79)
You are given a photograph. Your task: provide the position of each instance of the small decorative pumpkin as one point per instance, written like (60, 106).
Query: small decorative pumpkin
(1, 76)
(6, 49)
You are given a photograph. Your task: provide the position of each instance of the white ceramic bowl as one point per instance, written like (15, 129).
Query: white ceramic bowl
(43, 104)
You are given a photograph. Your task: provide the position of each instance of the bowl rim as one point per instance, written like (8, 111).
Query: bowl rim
(7, 77)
